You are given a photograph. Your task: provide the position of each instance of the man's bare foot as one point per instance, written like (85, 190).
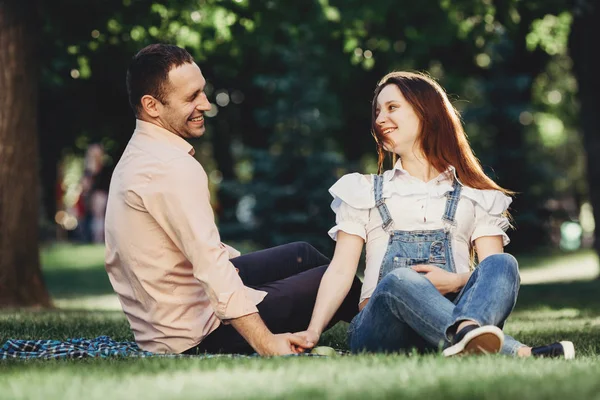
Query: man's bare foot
(524, 351)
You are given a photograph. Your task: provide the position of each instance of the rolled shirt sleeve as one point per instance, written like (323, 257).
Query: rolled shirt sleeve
(182, 209)
(233, 253)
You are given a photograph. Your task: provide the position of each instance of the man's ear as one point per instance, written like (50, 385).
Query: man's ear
(151, 106)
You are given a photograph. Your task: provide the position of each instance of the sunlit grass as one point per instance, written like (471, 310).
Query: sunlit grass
(556, 257)
(77, 279)
(72, 256)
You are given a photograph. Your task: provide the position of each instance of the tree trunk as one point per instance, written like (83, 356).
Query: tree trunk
(583, 48)
(21, 282)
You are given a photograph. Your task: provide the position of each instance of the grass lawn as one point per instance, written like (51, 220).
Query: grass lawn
(76, 280)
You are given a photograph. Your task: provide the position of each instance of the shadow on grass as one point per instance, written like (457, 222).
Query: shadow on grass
(581, 295)
(68, 283)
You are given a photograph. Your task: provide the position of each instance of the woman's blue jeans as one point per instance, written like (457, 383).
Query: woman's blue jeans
(407, 312)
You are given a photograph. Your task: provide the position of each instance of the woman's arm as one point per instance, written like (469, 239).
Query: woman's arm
(484, 246)
(335, 284)
(487, 245)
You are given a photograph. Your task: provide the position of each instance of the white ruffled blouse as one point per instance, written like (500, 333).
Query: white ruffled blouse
(414, 205)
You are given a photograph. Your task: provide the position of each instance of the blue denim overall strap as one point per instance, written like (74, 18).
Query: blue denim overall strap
(408, 248)
(452, 203)
(386, 218)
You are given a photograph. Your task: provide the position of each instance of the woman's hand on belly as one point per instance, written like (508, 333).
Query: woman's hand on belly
(445, 282)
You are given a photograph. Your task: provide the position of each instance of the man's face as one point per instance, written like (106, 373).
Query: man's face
(185, 102)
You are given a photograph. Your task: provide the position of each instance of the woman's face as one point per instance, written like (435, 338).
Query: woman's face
(396, 121)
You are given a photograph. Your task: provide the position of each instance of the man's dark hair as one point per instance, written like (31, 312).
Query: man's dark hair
(148, 72)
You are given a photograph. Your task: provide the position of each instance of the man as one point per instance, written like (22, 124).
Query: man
(177, 285)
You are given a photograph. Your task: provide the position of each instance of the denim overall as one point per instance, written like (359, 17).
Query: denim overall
(408, 248)
(406, 311)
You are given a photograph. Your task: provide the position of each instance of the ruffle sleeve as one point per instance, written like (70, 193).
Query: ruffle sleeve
(352, 200)
(490, 213)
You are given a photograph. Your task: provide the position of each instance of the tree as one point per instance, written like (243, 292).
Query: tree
(586, 62)
(21, 282)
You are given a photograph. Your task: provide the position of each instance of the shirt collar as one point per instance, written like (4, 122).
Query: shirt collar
(450, 172)
(398, 168)
(155, 132)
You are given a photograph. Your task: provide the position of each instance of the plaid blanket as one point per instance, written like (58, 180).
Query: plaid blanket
(100, 347)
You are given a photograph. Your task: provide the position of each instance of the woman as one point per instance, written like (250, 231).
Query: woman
(422, 222)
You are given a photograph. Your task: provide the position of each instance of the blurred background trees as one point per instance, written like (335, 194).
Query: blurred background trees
(291, 84)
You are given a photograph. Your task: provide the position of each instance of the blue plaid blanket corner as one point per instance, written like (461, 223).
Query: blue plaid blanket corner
(102, 346)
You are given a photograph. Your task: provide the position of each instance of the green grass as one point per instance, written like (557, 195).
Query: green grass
(426, 377)
(75, 271)
(75, 276)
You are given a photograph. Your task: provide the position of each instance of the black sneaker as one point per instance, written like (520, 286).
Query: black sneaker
(563, 349)
(474, 339)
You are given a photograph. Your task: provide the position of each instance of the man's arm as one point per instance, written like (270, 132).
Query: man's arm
(253, 329)
(179, 200)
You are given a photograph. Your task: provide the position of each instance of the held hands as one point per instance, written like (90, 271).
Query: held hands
(285, 343)
(310, 336)
(445, 282)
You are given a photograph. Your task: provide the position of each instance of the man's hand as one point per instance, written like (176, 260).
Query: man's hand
(445, 282)
(253, 329)
(284, 343)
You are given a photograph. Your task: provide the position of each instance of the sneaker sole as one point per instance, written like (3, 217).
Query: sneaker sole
(483, 340)
(569, 350)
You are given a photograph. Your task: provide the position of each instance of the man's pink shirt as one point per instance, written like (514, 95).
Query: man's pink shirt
(164, 256)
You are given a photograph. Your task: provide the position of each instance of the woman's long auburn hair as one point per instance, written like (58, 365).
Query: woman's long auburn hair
(442, 138)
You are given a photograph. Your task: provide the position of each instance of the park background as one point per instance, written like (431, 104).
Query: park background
(290, 83)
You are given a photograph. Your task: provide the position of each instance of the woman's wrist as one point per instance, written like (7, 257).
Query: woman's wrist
(314, 330)
(461, 281)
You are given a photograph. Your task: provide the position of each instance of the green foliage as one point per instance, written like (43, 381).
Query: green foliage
(551, 33)
(303, 73)
(286, 200)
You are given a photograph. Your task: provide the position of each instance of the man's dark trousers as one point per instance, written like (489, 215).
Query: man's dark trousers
(290, 274)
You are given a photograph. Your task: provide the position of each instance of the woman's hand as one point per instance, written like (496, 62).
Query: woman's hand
(311, 337)
(445, 282)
